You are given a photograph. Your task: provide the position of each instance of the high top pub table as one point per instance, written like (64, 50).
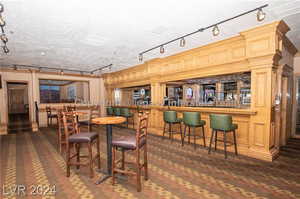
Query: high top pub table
(108, 121)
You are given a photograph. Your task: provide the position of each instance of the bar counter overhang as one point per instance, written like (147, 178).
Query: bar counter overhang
(264, 51)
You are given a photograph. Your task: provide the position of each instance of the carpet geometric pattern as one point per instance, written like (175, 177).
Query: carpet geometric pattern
(31, 160)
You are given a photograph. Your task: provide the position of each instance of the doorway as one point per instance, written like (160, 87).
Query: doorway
(297, 107)
(18, 107)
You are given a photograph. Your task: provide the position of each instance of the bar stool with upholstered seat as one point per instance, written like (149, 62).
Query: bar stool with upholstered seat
(170, 118)
(74, 137)
(135, 143)
(193, 120)
(126, 113)
(110, 111)
(224, 124)
(117, 111)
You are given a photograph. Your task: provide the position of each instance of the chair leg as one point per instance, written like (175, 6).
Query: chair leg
(211, 140)
(235, 145)
(146, 162)
(181, 136)
(51, 121)
(123, 160)
(48, 121)
(133, 122)
(68, 160)
(169, 130)
(138, 171)
(164, 131)
(203, 136)
(194, 132)
(189, 134)
(127, 122)
(113, 165)
(98, 152)
(225, 150)
(91, 160)
(78, 155)
(216, 139)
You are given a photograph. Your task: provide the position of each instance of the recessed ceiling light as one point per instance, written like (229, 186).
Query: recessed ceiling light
(43, 53)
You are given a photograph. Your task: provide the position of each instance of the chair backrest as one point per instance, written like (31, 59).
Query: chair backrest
(109, 111)
(170, 116)
(220, 122)
(125, 111)
(71, 108)
(48, 110)
(117, 111)
(142, 129)
(94, 112)
(191, 118)
(70, 124)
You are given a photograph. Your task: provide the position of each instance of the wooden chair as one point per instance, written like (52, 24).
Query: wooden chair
(94, 112)
(77, 139)
(71, 108)
(134, 143)
(61, 134)
(50, 115)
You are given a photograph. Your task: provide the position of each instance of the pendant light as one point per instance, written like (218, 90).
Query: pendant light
(2, 22)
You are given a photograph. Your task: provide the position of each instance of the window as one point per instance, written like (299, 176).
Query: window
(63, 91)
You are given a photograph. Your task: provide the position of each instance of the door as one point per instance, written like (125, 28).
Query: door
(297, 107)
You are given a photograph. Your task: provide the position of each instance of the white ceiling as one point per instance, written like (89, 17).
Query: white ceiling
(84, 35)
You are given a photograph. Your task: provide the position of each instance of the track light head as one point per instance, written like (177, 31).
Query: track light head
(2, 22)
(1, 7)
(260, 15)
(162, 49)
(215, 31)
(4, 38)
(61, 72)
(182, 42)
(5, 49)
(140, 57)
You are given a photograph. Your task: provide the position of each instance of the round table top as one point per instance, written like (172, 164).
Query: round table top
(108, 120)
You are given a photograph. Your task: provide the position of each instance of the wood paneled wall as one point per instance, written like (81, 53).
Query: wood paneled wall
(259, 50)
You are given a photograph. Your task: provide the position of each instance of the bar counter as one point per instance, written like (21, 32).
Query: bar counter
(240, 116)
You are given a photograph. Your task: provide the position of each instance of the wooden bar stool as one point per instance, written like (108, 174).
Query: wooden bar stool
(170, 118)
(193, 119)
(135, 143)
(224, 124)
(50, 115)
(77, 139)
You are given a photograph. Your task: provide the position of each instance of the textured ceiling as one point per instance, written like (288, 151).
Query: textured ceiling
(88, 34)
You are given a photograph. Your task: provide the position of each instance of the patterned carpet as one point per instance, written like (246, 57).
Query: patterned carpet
(31, 159)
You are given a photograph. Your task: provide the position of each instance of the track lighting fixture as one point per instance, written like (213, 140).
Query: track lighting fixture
(215, 31)
(3, 37)
(182, 42)
(61, 72)
(260, 15)
(162, 49)
(140, 57)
